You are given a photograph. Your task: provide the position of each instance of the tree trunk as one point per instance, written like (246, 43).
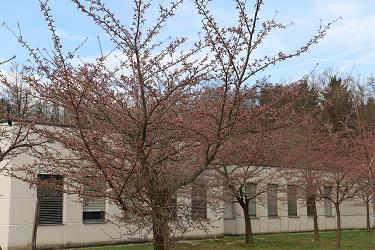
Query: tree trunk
(161, 233)
(248, 229)
(316, 226)
(338, 227)
(368, 216)
(35, 225)
(311, 194)
(159, 240)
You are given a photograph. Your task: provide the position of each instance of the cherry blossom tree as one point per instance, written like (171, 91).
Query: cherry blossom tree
(245, 159)
(300, 147)
(342, 171)
(160, 121)
(339, 179)
(363, 140)
(323, 148)
(233, 48)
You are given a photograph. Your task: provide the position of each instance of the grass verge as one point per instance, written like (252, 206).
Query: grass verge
(351, 239)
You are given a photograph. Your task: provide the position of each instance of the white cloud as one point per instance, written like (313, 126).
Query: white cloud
(349, 41)
(67, 35)
(337, 8)
(354, 31)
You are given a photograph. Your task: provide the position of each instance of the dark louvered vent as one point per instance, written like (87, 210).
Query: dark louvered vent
(50, 200)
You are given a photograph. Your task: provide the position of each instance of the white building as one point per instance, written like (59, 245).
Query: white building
(353, 216)
(65, 222)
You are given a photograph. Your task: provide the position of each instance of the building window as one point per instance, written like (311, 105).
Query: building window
(50, 208)
(94, 210)
(292, 200)
(229, 203)
(272, 200)
(327, 201)
(251, 193)
(228, 210)
(310, 205)
(198, 201)
(93, 207)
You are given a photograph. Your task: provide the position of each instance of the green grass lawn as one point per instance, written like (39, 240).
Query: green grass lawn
(351, 239)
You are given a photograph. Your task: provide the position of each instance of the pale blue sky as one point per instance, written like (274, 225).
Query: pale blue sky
(350, 43)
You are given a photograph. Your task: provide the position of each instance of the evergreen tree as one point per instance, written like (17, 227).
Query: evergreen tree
(337, 105)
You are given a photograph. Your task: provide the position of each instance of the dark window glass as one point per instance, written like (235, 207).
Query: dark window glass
(272, 200)
(251, 193)
(292, 200)
(310, 204)
(198, 201)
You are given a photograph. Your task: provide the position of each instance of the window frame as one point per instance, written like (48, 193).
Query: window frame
(292, 200)
(50, 200)
(229, 206)
(327, 202)
(251, 193)
(310, 204)
(272, 200)
(199, 204)
(99, 211)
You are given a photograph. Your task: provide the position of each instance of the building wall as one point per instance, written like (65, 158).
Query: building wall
(18, 204)
(353, 215)
(5, 184)
(73, 232)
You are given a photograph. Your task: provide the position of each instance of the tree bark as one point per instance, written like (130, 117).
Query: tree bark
(316, 226)
(161, 234)
(35, 225)
(312, 198)
(338, 227)
(368, 216)
(160, 222)
(248, 229)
